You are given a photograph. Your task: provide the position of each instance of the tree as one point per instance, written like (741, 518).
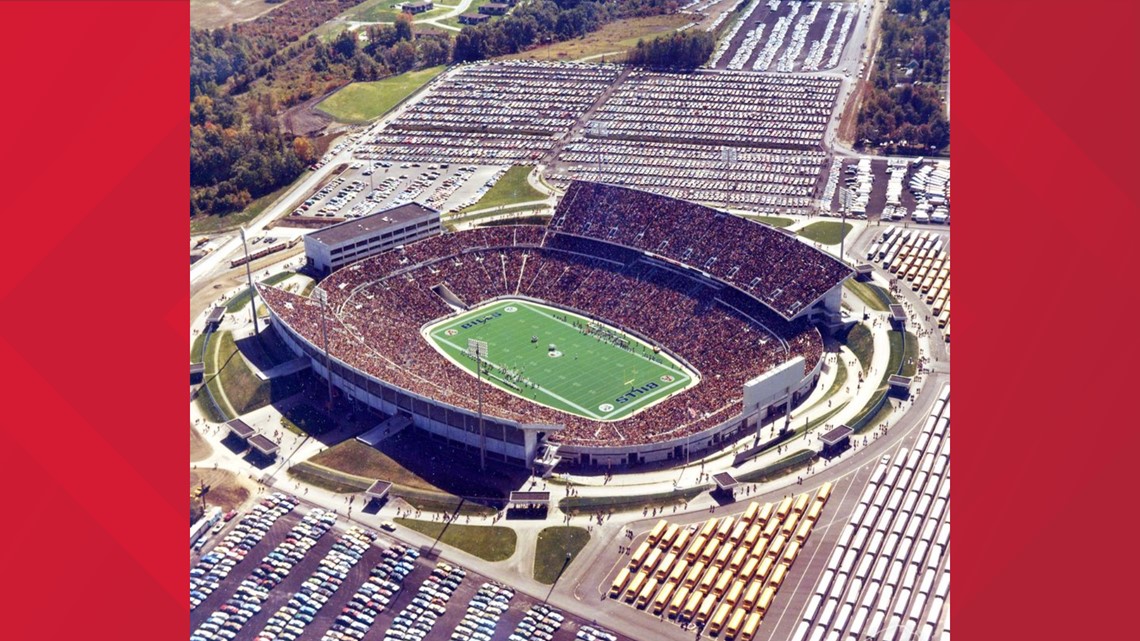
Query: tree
(402, 56)
(404, 26)
(304, 150)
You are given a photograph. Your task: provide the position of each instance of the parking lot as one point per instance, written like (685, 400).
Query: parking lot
(783, 36)
(301, 581)
(366, 186)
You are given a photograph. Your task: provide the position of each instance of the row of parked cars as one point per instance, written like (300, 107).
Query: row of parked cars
(417, 619)
(483, 613)
(374, 595)
(289, 622)
(592, 633)
(215, 566)
(540, 622)
(253, 591)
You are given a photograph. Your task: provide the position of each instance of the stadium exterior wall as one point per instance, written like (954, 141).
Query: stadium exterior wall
(506, 441)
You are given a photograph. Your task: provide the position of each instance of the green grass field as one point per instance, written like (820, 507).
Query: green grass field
(489, 542)
(511, 188)
(554, 543)
(363, 101)
(826, 232)
(584, 374)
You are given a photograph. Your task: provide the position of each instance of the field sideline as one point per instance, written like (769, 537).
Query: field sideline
(547, 356)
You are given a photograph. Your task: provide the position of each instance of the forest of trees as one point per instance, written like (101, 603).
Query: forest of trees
(244, 76)
(681, 50)
(547, 21)
(902, 109)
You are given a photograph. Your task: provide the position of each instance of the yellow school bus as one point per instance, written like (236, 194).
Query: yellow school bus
(738, 558)
(635, 585)
(723, 580)
(705, 608)
(777, 545)
(717, 621)
(771, 526)
(784, 507)
(750, 513)
(789, 525)
(619, 582)
(724, 553)
(801, 504)
(662, 598)
(639, 555)
(657, 531)
(680, 596)
(813, 512)
(709, 552)
(667, 538)
(691, 605)
(738, 531)
(765, 601)
(707, 529)
(678, 571)
(764, 514)
(734, 623)
(824, 492)
(790, 553)
(665, 566)
(761, 546)
(751, 537)
(694, 575)
(763, 569)
(749, 568)
(651, 560)
(695, 548)
(734, 592)
(680, 542)
(724, 528)
(646, 592)
(751, 594)
(708, 578)
(751, 624)
(777, 577)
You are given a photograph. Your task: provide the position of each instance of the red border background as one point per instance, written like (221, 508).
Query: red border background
(94, 307)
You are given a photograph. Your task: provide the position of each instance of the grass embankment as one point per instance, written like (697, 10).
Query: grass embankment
(242, 299)
(589, 504)
(862, 343)
(488, 542)
(826, 232)
(511, 188)
(553, 544)
(196, 348)
(874, 297)
(782, 467)
(209, 224)
(364, 101)
(369, 462)
(226, 490)
(773, 221)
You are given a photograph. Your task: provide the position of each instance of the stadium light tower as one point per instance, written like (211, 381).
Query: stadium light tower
(478, 349)
(844, 205)
(325, 338)
(249, 277)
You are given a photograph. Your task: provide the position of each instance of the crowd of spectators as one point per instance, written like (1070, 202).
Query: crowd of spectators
(775, 267)
(379, 305)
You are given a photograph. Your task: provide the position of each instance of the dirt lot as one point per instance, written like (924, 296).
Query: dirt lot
(619, 36)
(208, 14)
(199, 448)
(227, 490)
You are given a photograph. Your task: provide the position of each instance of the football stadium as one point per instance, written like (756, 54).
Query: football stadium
(633, 328)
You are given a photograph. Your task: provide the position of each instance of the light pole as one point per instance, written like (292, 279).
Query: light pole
(249, 277)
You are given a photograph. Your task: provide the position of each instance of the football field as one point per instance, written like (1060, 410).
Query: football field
(559, 359)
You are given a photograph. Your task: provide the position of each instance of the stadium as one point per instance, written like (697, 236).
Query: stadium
(633, 328)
